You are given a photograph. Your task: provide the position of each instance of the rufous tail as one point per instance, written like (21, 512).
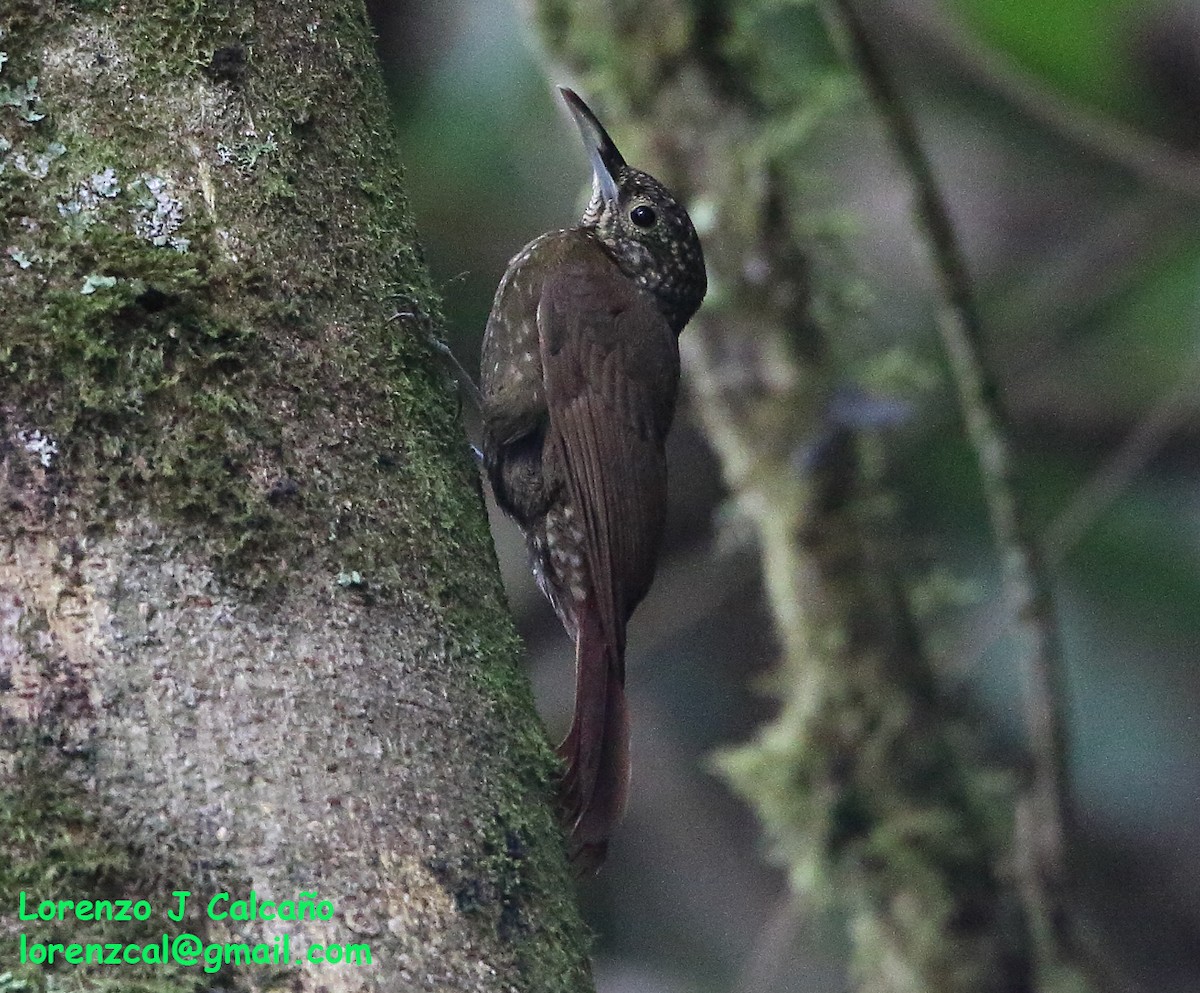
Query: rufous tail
(595, 785)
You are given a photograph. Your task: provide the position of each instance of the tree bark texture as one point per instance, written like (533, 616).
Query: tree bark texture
(871, 784)
(251, 631)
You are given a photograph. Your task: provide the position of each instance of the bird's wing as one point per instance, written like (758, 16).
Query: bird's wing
(513, 401)
(610, 365)
(510, 375)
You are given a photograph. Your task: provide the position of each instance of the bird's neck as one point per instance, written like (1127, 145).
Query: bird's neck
(672, 293)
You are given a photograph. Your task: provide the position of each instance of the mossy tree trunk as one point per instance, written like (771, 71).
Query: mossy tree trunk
(251, 631)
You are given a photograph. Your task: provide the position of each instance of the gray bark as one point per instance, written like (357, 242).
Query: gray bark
(251, 631)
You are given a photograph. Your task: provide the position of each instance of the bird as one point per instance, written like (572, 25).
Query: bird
(579, 376)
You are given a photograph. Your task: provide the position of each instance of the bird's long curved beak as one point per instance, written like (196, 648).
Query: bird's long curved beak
(607, 162)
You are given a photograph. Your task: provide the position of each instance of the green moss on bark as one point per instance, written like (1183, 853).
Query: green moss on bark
(217, 314)
(244, 248)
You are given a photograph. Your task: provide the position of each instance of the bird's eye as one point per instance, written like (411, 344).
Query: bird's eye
(643, 216)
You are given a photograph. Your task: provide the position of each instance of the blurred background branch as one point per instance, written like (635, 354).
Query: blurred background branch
(1153, 160)
(1043, 818)
(824, 442)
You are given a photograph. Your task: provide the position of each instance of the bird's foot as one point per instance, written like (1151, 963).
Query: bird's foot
(465, 381)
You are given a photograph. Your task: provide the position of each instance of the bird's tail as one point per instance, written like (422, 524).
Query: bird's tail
(595, 785)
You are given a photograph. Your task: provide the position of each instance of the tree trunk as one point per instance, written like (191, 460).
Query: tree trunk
(252, 636)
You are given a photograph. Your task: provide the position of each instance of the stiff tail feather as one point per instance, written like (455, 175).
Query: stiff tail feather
(596, 749)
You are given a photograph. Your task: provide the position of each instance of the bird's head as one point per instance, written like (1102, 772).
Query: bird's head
(645, 228)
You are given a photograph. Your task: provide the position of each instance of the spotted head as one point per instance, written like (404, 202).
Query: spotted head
(637, 219)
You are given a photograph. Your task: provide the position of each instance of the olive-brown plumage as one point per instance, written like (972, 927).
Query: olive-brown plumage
(579, 374)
